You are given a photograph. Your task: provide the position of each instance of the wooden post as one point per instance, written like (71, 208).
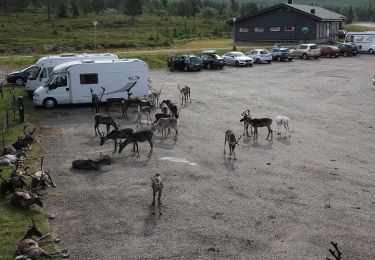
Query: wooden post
(21, 109)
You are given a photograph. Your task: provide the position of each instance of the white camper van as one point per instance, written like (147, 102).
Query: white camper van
(71, 81)
(365, 41)
(46, 64)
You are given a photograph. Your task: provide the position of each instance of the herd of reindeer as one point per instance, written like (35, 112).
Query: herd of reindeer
(25, 196)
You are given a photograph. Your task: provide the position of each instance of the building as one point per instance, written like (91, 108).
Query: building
(288, 22)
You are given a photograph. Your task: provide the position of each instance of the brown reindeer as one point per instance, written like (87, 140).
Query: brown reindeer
(28, 247)
(104, 120)
(185, 94)
(258, 122)
(246, 124)
(157, 187)
(232, 142)
(95, 100)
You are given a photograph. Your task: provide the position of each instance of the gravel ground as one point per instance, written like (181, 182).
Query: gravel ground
(285, 199)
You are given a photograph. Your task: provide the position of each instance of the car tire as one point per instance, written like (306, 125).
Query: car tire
(269, 62)
(290, 59)
(257, 61)
(304, 56)
(336, 56)
(328, 55)
(237, 64)
(345, 54)
(278, 58)
(19, 82)
(50, 103)
(186, 68)
(371, 51)
(251, 65)
(316, 57)
(209, 66)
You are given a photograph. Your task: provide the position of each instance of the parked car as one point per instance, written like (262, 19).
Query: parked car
(280, 54)
(260, 56)
(237, 58)
(20, 77)
(306, 51)
(329, 51)
(347, 49)
(185, 63)
(342, 34)
(373, 80)
(211, 60)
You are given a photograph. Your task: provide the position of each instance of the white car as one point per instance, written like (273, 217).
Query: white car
(260, 56)
(237, 58)
(373, 80)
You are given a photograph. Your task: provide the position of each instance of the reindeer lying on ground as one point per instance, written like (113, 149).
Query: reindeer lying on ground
(9, 149)
(185, 94)
(28, 248)
(88, 164)
(15, 182)
(116, 135)
(95, 100)
(282, 121)
(24, 199)
(25, 141)
(157, 186)
(144, 111)
(9, 159)
(139, 136)
(232, 142)
(41, 179)
(164, 123)
(259, 122)
(104, 120)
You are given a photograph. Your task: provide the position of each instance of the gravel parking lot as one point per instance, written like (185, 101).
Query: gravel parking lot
(285, 199)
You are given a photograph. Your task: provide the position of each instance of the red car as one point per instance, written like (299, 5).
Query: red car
(329, 51)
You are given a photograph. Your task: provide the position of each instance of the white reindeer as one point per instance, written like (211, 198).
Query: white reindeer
(282, 120)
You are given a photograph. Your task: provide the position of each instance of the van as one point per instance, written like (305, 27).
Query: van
(71, 82)
(365, 41)
(44, 66)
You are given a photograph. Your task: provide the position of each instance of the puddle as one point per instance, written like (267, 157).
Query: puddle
(177, 160)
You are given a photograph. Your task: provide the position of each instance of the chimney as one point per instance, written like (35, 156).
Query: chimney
(290, 2)
(312, 10)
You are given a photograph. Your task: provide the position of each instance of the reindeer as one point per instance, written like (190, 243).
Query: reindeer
(139, 136)
(88, 164)
(110, 102)
(146, 111)
(172, 107)
(232, 142)
(25, 199)
(246, 124)
(116, 134)
(41, 179)
(185, 94)
(11, 159)
(28, 247)
(133, 103)
(259, 122)
(25, 141)
(157, 186)
(154, 96)
(16, 181)
(160, 115)
(164, 109)
(336, 253)
(104, 120)
(282, 120)
(9, 149)
(95, 100)
(164, 123)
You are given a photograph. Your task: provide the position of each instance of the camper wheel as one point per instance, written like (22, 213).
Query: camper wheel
(50, 103)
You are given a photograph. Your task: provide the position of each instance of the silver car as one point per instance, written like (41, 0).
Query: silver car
(260, 56)
(237, 58)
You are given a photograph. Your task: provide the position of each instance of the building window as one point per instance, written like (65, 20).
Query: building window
(259, 29)
(275, 29)
(244, 30)
(289, 28)
(88, 79)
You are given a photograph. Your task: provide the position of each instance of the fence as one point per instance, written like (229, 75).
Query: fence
(8, 111)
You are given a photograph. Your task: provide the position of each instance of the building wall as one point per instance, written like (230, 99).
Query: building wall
(281, 17)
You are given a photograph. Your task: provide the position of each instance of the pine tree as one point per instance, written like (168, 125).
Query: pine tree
(62, 12)
(75, 11)
(350, 15)
(133, 7)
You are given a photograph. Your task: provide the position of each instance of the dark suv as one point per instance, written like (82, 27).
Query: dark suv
(347, 49)
(211, 60)
(185, 63)
(281, 54)
(20, 77)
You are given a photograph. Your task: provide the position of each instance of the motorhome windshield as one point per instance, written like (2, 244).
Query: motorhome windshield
(34, 72)
(52, 78)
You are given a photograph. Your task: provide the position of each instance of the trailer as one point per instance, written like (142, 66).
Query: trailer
(43, 68)
(365, 41)
(71, 82)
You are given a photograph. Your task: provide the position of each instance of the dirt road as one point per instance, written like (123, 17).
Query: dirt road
(285, 199)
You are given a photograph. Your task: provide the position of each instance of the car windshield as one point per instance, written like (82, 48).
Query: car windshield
(216, 56)
(302, 47)
(314, 47)
(264, 52)
(195, 59)
(238, 54)
(334, 48)
(34, 72)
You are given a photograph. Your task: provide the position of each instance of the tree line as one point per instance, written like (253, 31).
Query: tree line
(208, 9)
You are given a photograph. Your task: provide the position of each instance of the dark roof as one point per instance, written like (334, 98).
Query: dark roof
(320, 14)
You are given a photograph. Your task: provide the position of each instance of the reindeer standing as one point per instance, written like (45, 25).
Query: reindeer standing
(95, 100)
(28, 247)
(258, 122)
(157, 186)
(104, 120)
(232, 142)
(246, 124)
(185, 94)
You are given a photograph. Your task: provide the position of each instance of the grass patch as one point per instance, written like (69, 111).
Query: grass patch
(14, 221)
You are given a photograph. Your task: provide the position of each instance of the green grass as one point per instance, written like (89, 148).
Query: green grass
(14, 221)
(356, 28)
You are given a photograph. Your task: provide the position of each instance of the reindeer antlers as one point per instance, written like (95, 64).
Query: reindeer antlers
(333, 252)
(246, 112)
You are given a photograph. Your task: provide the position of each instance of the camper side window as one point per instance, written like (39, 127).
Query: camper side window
(44, 73)
(88, 79)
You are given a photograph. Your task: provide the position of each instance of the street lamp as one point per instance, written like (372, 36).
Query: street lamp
(95, 23)
(234, 32)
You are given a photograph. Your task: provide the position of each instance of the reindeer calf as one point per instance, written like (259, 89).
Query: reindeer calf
(282, 120)
(157, 187)
(185, 94)
(232, 142)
